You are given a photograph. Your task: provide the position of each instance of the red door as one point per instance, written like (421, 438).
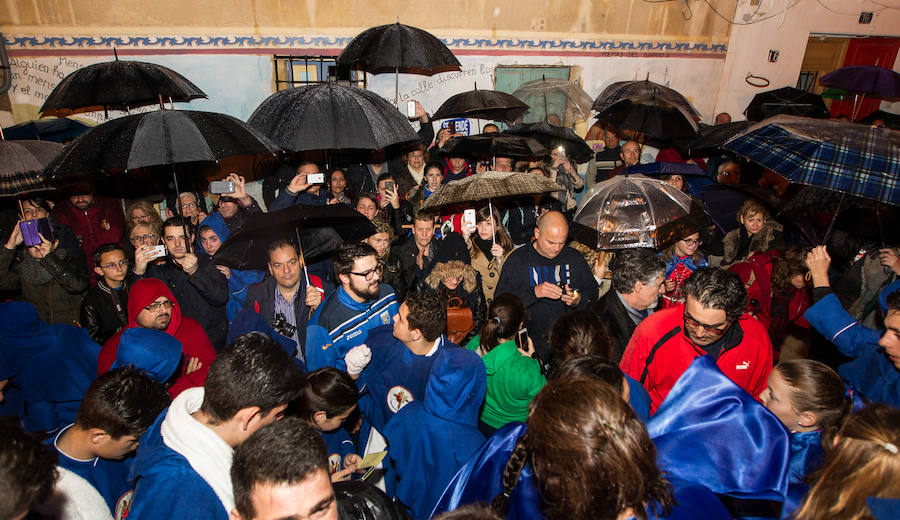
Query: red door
(866, 51)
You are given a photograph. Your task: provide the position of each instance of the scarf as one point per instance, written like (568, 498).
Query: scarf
(483, 245)
(205, 451)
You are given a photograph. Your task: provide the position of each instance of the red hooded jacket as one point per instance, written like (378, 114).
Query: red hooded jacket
(194, 342)
(659, 352)
(87, 224)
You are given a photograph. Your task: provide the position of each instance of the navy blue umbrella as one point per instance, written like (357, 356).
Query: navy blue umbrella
(694, 176)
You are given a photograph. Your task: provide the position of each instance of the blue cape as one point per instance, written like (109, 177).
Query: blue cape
(429, 440)
(52, 365)
(153, 351)
(711, 431)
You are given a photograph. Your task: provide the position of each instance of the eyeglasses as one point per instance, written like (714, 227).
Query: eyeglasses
(371, 273)
(137, 239)
(122, 264)
(692, 241)
(188, 205)
(153, 307)
(713, 330)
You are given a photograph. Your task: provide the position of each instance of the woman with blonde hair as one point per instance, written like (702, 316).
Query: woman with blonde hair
(862, 463)
(757, 233)
(141, 211)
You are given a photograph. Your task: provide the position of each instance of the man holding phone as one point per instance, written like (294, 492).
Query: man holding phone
(305, 188)
(236, 205)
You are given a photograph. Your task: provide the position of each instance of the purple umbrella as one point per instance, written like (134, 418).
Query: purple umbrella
(866, 79)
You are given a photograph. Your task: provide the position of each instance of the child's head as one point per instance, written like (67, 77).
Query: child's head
(807, 395)
(327, 398)
(118, 408)
(863, 461)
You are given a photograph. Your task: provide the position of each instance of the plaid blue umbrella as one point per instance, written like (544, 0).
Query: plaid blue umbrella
(836, 155)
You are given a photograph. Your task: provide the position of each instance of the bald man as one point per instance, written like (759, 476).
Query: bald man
(549, 276)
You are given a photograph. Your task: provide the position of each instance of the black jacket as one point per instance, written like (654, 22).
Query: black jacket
(612, 313)
(202, 296)
(104, 311)
(261, 299)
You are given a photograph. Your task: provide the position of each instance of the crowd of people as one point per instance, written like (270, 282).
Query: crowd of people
(449, 368)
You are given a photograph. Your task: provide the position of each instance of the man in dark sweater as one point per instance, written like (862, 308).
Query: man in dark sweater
(549, 276)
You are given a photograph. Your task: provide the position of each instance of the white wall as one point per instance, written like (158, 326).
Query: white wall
(788, 32)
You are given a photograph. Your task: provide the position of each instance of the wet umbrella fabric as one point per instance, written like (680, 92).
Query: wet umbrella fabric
(694, 176)
(397, 47)
(836, 155)
(22, 164)
(320, 229)
(482, 104)
(872, 80)
(158, 138)
(633, 211)
(488, 145)
(535, 94)
(118, 85)
(711, 138)
(651, 116)
(629, 89)
(329, 116)
(490, 185)
(553, 136)
(786, 100)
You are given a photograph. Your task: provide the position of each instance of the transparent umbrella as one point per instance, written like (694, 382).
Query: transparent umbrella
(630, 211)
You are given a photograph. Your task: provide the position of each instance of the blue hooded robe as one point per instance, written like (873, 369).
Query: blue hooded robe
(52, 365)
(240, 280)
(154, 351)
(428, 441)
(166, 486)
(871, 371)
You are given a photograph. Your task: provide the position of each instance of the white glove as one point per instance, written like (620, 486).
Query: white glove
(357, 358)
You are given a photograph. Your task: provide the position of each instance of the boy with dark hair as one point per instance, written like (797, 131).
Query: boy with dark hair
(282, 472)
(184, 461)
(116, 410)
(104, 309)
(360, 304)
(401, 358)
(27, 470)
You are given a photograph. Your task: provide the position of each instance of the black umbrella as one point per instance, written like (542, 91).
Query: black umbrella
(711, 138)
(398, 48)
(320, 230)
(651, 116)
(329, 116)
(482, 104)
(646, 88)
(489, 145)
(554, 136)
(22, 164)
(118, 85)
(785, 100)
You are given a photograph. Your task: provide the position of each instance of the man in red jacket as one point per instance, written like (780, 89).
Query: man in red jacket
(152, 305)
(710, 322)
(95, 220)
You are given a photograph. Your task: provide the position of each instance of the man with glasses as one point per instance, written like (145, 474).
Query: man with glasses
(711, 321)
(360, 304)
(104, 309)
(152, 305)
(638, 276)
(287, 297)
(199, 287)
